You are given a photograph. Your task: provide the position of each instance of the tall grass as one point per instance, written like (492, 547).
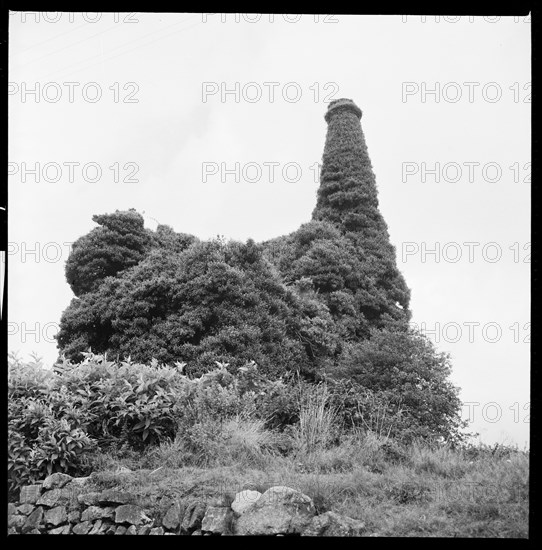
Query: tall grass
(318, 419)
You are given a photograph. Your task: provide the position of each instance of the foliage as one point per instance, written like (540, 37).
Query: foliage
(211, 302)
(119, 242)
(57, 419)
(410, 381)
(40, 440)
(326, 302)
(317, 419)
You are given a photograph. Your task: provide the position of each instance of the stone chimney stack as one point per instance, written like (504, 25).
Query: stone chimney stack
(348, 197)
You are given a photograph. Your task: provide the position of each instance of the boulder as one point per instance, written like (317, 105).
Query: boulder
(82, 528)
(12, 509)
(244, 500)
(331, 524)
(30, 494)
(56, 516)
(97, 528)
(57, 497)
(16, 521)
(55, 481)
(130, 513)
(25, 508)
(33, 520)
(280, 510)
(121, 530)
(88, 499)
(172, 519)
(217, 520)
(131, 530)
(144, 530)
(92, 513)
(193, 516)
(156, 531)
(62, 530)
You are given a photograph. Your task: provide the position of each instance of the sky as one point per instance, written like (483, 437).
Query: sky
(214, 124)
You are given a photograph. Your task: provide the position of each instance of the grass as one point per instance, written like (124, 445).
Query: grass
(395, 489)
(437, 492)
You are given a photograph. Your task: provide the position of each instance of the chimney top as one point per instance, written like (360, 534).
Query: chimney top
(340, 105)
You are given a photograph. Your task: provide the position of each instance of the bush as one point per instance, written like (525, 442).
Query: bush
(56, 420)
(41, 443)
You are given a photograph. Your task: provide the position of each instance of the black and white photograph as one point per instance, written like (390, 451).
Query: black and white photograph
(268, 274)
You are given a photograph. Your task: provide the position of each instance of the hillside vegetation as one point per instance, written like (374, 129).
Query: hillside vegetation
(212, 436)
(195, 362)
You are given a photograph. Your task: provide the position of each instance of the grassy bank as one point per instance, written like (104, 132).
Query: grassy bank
(213, 436)
(413, 491)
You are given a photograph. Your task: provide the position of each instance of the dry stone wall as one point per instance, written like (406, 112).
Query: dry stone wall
(63, 505)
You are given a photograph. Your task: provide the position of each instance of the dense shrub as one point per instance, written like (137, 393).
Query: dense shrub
(326, 301)
(56, 419)
(213, 301)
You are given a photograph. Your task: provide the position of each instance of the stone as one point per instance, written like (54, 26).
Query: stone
(33, 520)
(12, 531)
(80, 481)
(30, 494)
(112, 496)
(96, 527)
(156, 531)
(143, 530)
(172, 519)
(52, 498)
(55, 481)
(121, 530)
(123, 470)
(217, 520)
(103, 527)
(331, 524)
(196, 533)
(56, 516)
(130, 513)
(131, 530)
(88, 499)
(82, 528)
(62, 530)
(25, 508)
(12, 509)
(280, 510)
(16, 521)
(193, 516)
(34, 531)
(74, 516)
(92, 513)
(244, 500)
(70, 493)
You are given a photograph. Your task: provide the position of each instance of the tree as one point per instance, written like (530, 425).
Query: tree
(325, 300)
(120, 242)
(403, 365)
(210, 302)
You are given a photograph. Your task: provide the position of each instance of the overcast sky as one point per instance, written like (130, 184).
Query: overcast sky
(214, 124)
